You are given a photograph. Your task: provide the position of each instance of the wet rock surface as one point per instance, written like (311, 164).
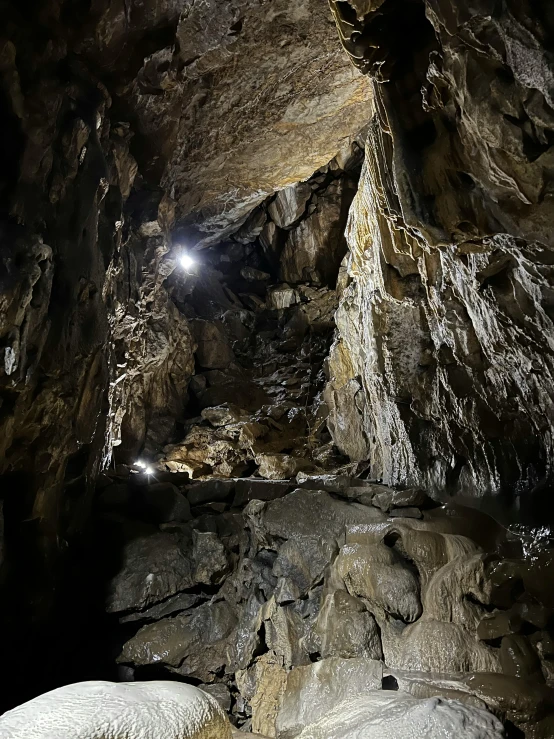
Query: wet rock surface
(298, 603)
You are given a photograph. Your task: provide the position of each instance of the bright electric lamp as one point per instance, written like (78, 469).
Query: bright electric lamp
(149, 471)
(186, 261)
(140, 463)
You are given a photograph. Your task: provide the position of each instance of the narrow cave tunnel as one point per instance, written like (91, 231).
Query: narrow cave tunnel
(276, 369)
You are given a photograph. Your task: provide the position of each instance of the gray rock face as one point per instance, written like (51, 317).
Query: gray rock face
(191, 644)
(213, 350)
(154, 567)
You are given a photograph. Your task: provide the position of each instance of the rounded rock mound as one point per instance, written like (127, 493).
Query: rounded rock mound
(397, 715)
(105, 710)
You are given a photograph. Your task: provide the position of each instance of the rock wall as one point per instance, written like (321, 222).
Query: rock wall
(117, 129)
(442, 369)
(127, 127)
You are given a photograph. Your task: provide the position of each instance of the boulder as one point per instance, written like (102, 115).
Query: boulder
(193, 644)
(302, 561)
(281, 466)
(389, 499)
(281, 297)
(210, 558)
(263, 686)
(496, 625)
(303, 512)
(98, 709)
(210, 491)
(249, 488)
(153, 568)
(519, 659)
(254, 275)
(221, 693)
(290, 204)
(163, 502)
(213, 350)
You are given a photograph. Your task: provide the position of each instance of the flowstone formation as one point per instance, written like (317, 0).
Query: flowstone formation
(442, 370)
(95, 710)
(291, 601)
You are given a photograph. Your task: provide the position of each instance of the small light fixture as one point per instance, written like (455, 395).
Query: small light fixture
(187, 261)
(139, 463)
(148, 471)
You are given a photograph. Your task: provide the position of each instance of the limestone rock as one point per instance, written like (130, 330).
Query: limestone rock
(213, 350)
(379, 576)
(282, 296)
(389, 499)
(454, 592)
(301, 561)
(280, 466)
(210, 491)
(221, 693)
(314, 690)
(210, 557)
(263, 686)
(192, 644)
(302, 512)
(497, 625)
(170, 606)
(289, 204)
(251, 274)
(314, 250)
(458, 262)
(347, 629)
(153, 568)
(386, 715)
(433, 646)
(97, 708)
(519, 659)
(248, 489)
(163, 502)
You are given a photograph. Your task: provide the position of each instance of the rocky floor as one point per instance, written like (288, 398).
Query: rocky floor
(284, 597)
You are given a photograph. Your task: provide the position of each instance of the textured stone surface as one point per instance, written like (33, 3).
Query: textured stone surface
(313, 691)
(153, 568)
(447, 323)
(192, 644)
(386, 715)
(94, 710)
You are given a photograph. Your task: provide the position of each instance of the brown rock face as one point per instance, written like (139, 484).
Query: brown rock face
(446, 326)
(226, 97)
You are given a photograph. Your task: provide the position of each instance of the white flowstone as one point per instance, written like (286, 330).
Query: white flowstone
(104, 710)
(397, 715)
